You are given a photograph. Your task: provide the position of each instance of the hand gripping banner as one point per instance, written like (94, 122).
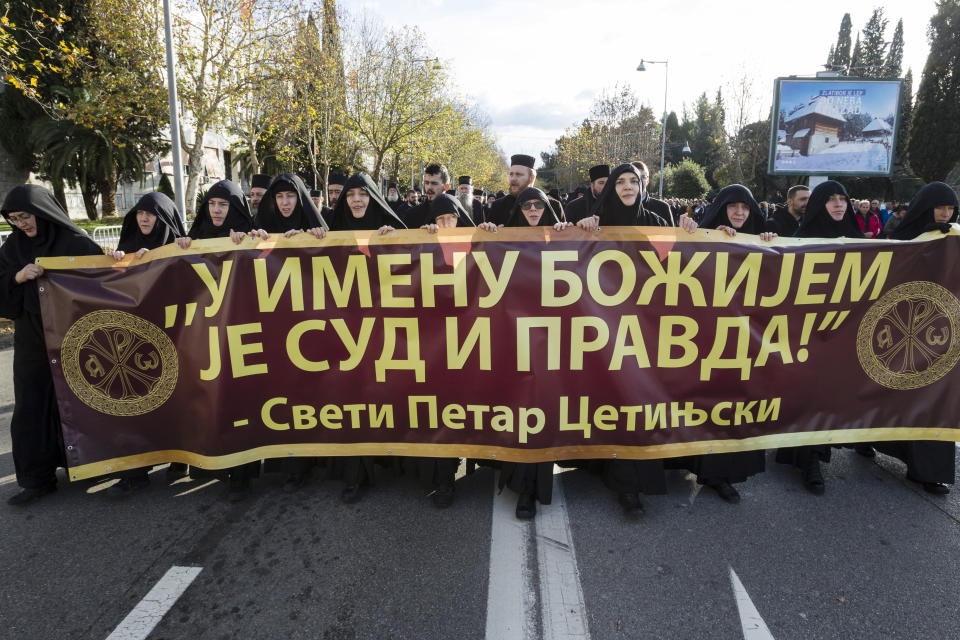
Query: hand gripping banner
(524, 345)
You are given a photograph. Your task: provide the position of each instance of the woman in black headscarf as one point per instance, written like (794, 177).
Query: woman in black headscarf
(532, 481)
(153, 222)
(733, 210)
(361, 207)
(930, 463)
(287, 208)
(224, 213)
(41, 228)
(620, 204)
(829, 214)
(446, 212)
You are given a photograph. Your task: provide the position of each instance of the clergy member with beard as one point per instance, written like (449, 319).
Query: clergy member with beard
(436, 180)
(522, 175)
(287, 209)
(41, 228)
(532, 481)
(829, 215)
(393, 197)
(224, 214)
(152, 222)
(930, 463)
(467, 196)
(334, 189)
(360, 207)
(259, 184)
(733, 211)
(581, 207)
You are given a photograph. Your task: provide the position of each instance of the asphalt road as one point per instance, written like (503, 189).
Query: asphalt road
(875, 557)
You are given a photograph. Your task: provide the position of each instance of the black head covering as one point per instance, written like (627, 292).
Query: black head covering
(599, 171)
(57, 235)
(516, 218)
(305, 215)
(261, 181)
(500, 194)
(378, 212)
(166, 229)
(445, 204)
(522, 160)
(817, 223)
(478, 193)
(238, 217)
(919, 216)
(613, 213)
(716, 213)
(336, 178)
(464, 180)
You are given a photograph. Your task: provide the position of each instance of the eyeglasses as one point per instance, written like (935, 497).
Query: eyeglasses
(18, 220)
(533, 204)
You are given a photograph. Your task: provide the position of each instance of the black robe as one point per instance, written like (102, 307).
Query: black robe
(926, 460)
(783, 223)
(35, 427)
(660, 208)
(716, 214)
(500, 210)
(166, 229)
(445, 204)
(377, 214)
(580, 208)
(238, 216)
(817, 223)
(614, 213)
(304, 216)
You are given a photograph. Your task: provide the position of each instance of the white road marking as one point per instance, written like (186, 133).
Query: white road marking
(147, 614)
(511, 599)
(8, 479)
(563, 614)
(754, 628)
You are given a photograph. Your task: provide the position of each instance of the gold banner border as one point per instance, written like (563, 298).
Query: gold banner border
(508, 454)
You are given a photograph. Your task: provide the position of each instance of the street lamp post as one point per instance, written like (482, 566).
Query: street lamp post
(663, 126)
(174, 123)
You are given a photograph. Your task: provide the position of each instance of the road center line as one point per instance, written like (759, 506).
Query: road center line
(564, 616)
(754, 628)
(511, 599)
(147, 614)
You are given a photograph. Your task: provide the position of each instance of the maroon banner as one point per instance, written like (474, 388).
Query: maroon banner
(523, 345)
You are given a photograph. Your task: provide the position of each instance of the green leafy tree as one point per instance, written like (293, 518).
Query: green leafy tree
(840, 52)
(686, 179)
(934, 146)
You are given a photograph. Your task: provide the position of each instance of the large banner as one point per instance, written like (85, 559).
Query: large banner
(525, 345)
(834, 126)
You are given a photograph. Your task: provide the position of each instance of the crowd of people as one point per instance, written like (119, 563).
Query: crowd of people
(282, 204)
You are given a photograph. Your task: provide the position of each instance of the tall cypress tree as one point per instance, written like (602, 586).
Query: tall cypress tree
(873, 46)
(934, 146)
(856, 60)
(906, 118)
(893, 65)
(841, 51)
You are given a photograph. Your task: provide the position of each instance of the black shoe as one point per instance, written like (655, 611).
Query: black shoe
(293, 482)
(726, 491)
(813, 478)
(936, 488)
(632, 506)
(27, 496)
(239, 488)
(866, 450)
(443, 496)
(175, 471)
(526, 506)
(350, 494)
(128, 486)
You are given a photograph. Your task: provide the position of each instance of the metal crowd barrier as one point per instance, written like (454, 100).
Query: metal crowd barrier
(107, 237)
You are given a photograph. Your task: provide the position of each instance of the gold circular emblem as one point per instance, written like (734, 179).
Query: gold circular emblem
(910, 337)
(119, 364)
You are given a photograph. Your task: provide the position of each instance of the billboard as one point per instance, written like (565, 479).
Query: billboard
(834, 126)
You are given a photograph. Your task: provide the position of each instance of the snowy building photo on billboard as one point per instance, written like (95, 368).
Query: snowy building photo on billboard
(834, 126)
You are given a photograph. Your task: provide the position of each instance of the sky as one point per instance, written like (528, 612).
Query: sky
(535, 67)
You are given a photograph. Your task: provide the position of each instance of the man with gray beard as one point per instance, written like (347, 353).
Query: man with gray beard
(465, 196)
